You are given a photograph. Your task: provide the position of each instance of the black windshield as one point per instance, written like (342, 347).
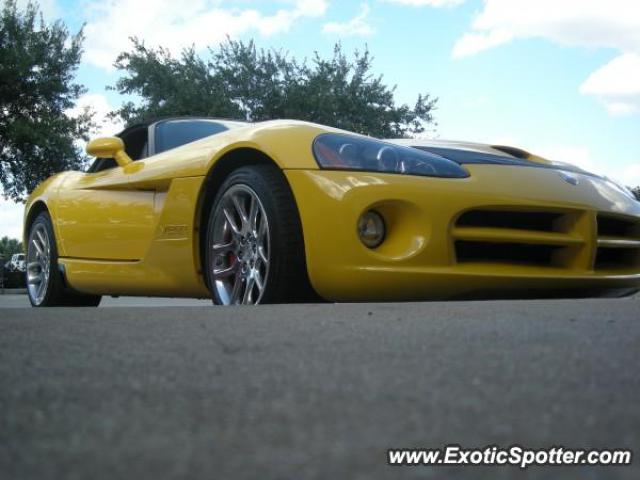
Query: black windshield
(175, 133)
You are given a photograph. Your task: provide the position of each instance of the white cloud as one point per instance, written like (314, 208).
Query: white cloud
(11, 218)
(176, 25)
(617, 84)
(48, 8)
(356, 26)
(100, 107)
(573, 154)
(427, 3)
(614, 23)
(472, 43)
(104, 126)
(588, 23)
(579, 156)
(631, 175)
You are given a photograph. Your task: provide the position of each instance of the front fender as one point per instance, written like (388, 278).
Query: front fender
(287, 143)
(45, 193)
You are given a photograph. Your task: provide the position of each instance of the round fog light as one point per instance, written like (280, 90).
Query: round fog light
(371, 229)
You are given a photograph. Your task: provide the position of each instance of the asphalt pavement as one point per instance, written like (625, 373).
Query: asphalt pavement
(312, 391)
(21, 301)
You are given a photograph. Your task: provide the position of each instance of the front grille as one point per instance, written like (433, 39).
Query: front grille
(521, 220)
(548, 238)
(611, 226)
(542, 238)
(513, 253)
(618, 243)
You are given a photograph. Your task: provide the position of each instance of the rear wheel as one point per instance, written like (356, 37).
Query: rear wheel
(45, 285)
(254, 246)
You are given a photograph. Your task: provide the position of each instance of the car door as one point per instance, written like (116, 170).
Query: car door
(100, 216)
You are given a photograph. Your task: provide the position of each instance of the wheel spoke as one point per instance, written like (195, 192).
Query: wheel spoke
(38, 247)
(226, 271)
(35, 279)
(43, 242)
(262, 254)
(222, 248)
(258, 279)
(231, 221)
(240, 209)
(262, 229)
(234, 298)
(253, 216)
(247, 298)
(45, 279)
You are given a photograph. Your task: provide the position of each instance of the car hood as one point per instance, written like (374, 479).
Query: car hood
(470, 152)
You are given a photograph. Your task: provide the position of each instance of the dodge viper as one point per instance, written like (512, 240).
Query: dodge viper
(285, 211)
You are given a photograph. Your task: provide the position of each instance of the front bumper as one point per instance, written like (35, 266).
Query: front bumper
(430, 253)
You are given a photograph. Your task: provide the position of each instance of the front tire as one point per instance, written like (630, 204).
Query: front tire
(45, 284)
(254, 246)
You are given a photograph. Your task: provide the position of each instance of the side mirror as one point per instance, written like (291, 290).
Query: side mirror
(109, 147)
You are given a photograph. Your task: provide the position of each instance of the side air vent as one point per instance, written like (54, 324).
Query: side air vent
(618, 243)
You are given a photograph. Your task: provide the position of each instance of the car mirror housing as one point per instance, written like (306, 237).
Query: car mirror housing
(109, 147)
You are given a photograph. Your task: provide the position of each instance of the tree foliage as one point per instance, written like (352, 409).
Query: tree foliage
(9, 246)
(242, 82)
(37, 65)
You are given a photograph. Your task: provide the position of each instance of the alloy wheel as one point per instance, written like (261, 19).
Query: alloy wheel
(38, 263)
(240, 247)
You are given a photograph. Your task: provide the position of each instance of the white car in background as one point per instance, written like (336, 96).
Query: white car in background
(17, 263)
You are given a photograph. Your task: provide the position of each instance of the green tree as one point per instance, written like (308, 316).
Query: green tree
(37, 65)
(9, 246)
(242, 82)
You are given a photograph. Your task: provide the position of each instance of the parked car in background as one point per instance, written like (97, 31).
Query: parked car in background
(16, 263)
(12, 271)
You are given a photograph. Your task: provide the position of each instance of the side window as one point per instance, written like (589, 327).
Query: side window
(175, 133)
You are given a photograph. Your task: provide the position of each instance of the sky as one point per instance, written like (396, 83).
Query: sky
(560, 78)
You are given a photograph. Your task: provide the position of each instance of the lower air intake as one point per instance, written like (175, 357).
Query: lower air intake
(509, 253)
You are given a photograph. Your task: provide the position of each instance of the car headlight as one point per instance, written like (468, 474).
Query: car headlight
(336, 151)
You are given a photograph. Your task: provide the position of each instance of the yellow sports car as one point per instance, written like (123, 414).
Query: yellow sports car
(284, 211)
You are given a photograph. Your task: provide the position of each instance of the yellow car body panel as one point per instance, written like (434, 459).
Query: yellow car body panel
(168, 266)
(134, 230)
